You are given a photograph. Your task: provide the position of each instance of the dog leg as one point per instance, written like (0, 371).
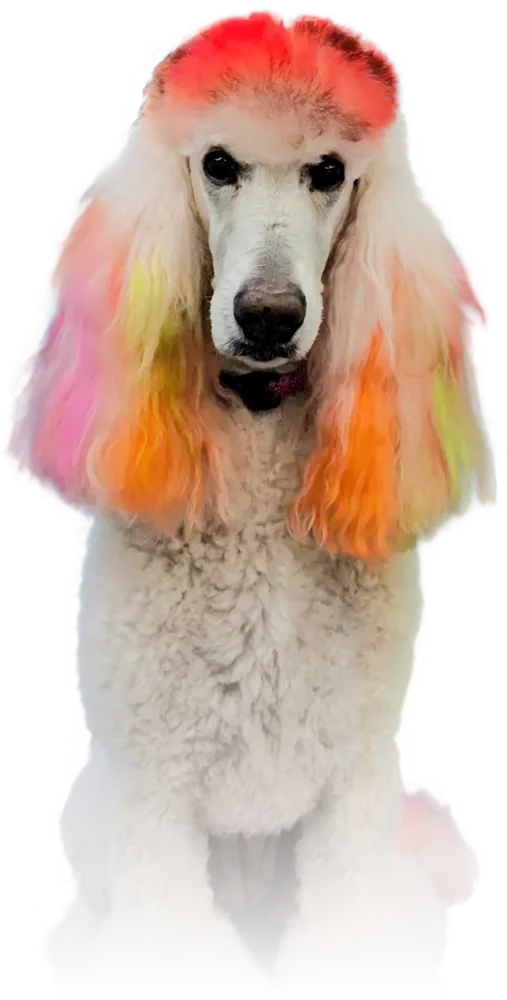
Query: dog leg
(368, 922)
(417, 897)
(354, 937)
(164, 935)
(84, 829)
(69, 947)
(85, 836)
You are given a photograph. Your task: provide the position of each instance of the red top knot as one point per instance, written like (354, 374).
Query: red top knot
(313, 63)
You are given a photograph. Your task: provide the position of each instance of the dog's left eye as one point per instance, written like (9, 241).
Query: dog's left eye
(326, 175)
(220, 167)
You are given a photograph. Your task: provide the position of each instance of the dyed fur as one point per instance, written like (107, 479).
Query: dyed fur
(250, 598)
(122, 410)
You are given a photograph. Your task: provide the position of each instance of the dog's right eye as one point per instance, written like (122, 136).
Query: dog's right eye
(220, 167)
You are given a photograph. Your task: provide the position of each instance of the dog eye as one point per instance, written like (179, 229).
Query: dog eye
(220, 167)
(326, 175)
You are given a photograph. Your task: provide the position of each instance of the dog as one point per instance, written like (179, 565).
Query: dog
(257, 380)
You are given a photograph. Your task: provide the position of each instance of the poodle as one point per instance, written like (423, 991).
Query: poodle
(257, 379)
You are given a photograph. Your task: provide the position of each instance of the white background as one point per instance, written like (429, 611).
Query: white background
(72, 76)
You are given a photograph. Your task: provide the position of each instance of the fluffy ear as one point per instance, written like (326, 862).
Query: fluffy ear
(399, 443)
(117, 412)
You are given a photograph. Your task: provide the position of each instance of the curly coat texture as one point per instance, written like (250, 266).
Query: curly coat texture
(250, 598)
(238, 684)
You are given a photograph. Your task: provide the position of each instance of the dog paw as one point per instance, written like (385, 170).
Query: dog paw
(367, 952)
(157, 957)
(69, 948)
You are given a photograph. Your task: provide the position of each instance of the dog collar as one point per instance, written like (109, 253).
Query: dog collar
(264, 390)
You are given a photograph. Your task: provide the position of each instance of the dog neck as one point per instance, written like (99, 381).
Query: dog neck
(263, 390)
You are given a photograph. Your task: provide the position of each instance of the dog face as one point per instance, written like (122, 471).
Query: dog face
(286, 146)
(270, 228)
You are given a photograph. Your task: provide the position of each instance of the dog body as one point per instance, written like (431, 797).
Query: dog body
(238, 683)
(253, 670)
(250, 598)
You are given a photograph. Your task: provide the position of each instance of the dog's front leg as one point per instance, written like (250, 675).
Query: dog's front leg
(353, 939)
(163, 935)
(351, 935)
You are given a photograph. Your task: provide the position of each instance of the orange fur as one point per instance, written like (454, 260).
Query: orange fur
(160, 450)
(405, 454)
(349, 498)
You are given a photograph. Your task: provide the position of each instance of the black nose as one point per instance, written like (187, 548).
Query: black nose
(269, 315)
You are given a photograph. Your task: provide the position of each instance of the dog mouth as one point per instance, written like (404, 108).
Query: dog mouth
(265, 355)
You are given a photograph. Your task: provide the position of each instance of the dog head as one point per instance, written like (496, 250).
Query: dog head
(264, 209)
(279, 124)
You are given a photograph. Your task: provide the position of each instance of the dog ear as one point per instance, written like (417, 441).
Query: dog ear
(399, 440)
(117, 412)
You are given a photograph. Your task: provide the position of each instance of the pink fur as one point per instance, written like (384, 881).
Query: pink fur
(430, 835)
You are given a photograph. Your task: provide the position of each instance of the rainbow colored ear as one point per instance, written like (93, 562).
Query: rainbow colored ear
(399, 439)
(117, 411)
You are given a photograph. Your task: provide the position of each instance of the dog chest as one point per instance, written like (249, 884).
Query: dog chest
(234, 664)
(237, 664)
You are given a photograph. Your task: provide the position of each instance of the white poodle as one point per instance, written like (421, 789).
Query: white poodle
(257, 376)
